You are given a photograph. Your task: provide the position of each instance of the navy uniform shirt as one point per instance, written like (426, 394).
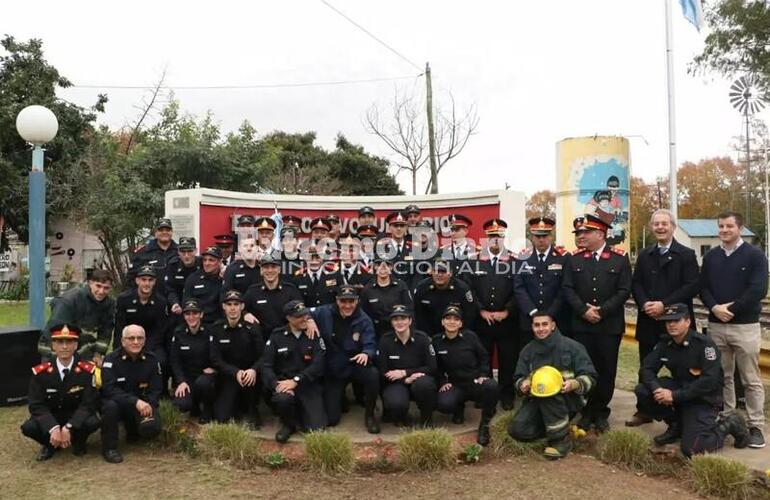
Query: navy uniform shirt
(152, 316)
(414, 356)
(694, 365)
(207, 288)
(152, 254)
(461, 359)
(190, 354)
(126, 380)
(267, 305)
(377, 302)
(318, 289)
(53, 401)
(288, 356)
(538, 285)
(175, 278)
(430, 302)
(492, 282)
(239, 276)
(235, 348)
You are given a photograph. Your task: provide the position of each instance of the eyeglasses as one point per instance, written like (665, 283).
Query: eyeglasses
(134, 339)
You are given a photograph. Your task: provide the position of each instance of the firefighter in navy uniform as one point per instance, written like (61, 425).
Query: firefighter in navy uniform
(236, 348)
(597, 283)
(461, 251)
(432, 295)
(292, 369)
(191, 366)
(143, 306)
(380, 295)
(351, 346)
(176, 275)
(205, 285)
(538, 281)
(407, 364)
(497, 325)
(131, 390)
(265, 300)
(62, 397)
(318, 280)
(554, 373)
(463, 368)
(160, 252)
(243, 272)
(690, 399)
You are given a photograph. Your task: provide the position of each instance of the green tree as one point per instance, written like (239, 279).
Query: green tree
(27, 78)
(738, 39)
(359, 172)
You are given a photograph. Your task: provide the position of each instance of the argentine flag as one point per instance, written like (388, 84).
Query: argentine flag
(693, 12)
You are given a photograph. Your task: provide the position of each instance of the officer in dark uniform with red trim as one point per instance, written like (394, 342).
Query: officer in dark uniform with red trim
(62, 397)
(461, 251)
(318, 280)
(597, 283)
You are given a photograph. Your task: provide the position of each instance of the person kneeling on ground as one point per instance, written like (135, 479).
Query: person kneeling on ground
(690, 400)
(292, 368)
(463, 364)
(191, 366)
(555, 374)
(132, 385)
(62, 397)
(348, 334)
(407, 364)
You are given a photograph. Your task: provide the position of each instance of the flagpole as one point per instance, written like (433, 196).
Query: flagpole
(673, 198)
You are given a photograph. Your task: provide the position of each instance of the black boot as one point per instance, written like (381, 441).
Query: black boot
(372, 425)
(458, 417)
(284, 433)
(112, 456)
(482, 436)
(585, 422)
(672, 434)
(734, 425)
(45, 453)
(79, 447)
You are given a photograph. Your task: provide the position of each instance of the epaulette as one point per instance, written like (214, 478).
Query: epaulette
(365, 269)
(86, 366)
(578, 250)
(331, 266)
(618, 251)
(559, 250)
(42, 367)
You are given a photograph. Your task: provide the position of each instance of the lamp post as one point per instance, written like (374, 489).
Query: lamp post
(37, 125)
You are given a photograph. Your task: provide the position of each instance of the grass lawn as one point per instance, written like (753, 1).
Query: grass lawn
(15, 314)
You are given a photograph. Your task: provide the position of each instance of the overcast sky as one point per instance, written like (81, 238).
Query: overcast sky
(539, 71)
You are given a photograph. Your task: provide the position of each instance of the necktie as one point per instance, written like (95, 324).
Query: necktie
(347, 275)
(541, 256)
(64, 373)
(596, 255)
(494, 262)
(458, 252)
(663, 250)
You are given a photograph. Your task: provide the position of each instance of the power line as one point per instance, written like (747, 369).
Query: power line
(332, 7)
(246, 87)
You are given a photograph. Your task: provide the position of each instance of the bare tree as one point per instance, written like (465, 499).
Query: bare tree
(404, 131)
(149, 103)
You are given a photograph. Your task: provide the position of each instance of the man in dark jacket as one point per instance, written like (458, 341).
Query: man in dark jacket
(350, 350)
(665, 273)
(597, 282)
(92, 309)
(160, 252)
(62, 397)
(689, 400)
(543, 414)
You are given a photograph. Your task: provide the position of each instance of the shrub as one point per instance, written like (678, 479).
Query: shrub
(472, 453)
(274, 459)
(175, 433)
(427, 449)
(721, 477)
(329, 452)
(625, 448)
(502, 443)
(231, 443)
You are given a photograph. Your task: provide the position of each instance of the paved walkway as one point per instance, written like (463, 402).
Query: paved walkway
(623, 406)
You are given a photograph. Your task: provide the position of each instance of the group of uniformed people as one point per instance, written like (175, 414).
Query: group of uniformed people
(395, 315)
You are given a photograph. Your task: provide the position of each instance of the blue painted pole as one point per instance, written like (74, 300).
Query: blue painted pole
(37, 240)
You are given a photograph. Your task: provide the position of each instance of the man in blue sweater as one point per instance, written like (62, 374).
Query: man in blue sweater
(734, 282)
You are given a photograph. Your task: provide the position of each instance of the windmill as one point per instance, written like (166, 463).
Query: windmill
(748, 97)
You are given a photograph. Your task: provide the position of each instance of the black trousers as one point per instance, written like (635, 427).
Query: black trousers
(541, 417)
(200, 399)
(396, 397)
(114, 412)
(509, 340)
(487, 394)
(603, 350)
(698, 420)
(366, 377)
(305, 407)
(31, 428)
(231, 398)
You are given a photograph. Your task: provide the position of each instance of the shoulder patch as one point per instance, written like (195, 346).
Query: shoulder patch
(42, 367)
(87, 366)
(618, 251)
(331, 266)
(559, 250)
(710, 353)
